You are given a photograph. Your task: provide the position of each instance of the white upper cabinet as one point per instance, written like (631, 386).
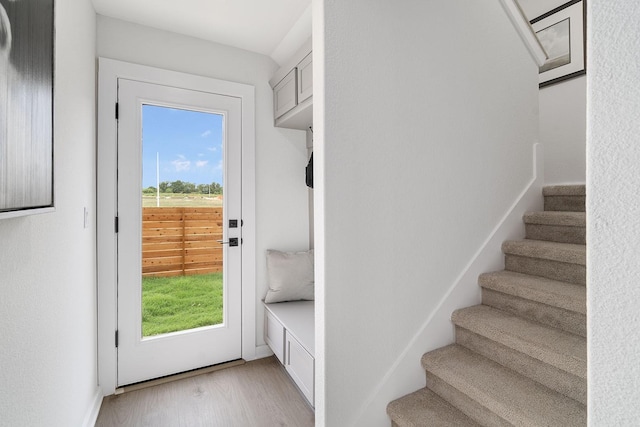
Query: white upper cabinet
(293, 91)
(305, 78)
(285, 95)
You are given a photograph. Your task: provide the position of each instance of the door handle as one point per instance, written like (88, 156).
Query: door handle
(232, 242)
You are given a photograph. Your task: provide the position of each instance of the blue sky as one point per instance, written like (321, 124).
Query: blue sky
(189, 143)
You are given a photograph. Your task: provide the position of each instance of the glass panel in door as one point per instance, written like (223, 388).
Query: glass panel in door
(182, 218)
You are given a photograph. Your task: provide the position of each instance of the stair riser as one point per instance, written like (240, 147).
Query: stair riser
(545, 374)
(564, 203)
(565, 272)
(424, 407)
(464, 403)
(569, 321)
(556, 233)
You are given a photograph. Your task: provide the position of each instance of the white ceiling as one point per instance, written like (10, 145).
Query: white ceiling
(262, 26)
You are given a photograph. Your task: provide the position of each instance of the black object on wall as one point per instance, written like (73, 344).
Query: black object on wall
(309, 172)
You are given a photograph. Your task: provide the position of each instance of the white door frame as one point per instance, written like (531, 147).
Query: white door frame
(109, 72)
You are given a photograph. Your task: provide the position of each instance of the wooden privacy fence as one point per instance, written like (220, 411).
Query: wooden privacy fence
(181, 241)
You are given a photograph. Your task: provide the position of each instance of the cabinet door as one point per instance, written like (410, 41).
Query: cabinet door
(274, 335)
(305, 78)
(285, 94)
(300, 365)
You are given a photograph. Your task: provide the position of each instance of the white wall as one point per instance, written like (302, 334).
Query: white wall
(425, 117)
(563, 114)
(281, 195)
(613, 207)
(563, 124)
(47, 262)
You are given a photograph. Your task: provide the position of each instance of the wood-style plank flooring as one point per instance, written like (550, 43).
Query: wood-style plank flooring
(258, 393)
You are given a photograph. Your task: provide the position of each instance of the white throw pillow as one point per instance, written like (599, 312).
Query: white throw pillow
(290, 276)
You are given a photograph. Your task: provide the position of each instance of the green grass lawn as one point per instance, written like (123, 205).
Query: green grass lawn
(171, 304)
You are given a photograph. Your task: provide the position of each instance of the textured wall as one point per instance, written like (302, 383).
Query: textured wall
(424, 140)
(47, 262)
(613, 213)
(282, 212)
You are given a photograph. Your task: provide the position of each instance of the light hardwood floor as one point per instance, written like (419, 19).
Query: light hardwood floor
(258, 393)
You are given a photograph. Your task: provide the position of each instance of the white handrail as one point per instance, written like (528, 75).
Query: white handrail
(524, 29)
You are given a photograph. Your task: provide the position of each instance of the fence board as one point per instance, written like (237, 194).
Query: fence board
(161, 217)
(162, 224)
(202, 222)
(161, 268)
(146, 254)
(150, 232)
(160, 246)
(181, 241)
(205, 251)
(204, 244)
(179, 238)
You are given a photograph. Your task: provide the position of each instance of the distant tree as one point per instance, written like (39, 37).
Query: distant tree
(189, 187)
(216, 188)
(186, 188)
(177, 186)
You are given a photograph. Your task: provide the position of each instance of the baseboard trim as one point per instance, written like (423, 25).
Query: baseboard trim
(406, 375)
(263, 351)
(94, 409)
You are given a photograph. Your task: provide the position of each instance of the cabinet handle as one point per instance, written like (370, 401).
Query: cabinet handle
(288, 358)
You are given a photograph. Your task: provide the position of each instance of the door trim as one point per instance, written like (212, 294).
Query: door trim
(109, 72)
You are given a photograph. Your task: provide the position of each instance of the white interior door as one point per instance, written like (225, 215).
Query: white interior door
(176, 237)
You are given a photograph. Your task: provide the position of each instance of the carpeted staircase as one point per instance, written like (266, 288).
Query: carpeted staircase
(520, 358)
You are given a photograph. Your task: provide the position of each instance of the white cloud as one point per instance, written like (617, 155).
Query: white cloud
(181, 163)
(202, 163)
(214, 149)
(555, 39)
(205, 134)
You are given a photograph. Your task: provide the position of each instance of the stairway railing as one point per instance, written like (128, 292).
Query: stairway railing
(525, 31)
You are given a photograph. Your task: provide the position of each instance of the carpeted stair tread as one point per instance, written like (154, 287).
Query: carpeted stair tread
(563, 295)
(513, 397)
(565, 198)
(561, 252)
(424, 408)
(550, 345)
(568, 219)
(548, 375)
(564, 190)
(556, 226)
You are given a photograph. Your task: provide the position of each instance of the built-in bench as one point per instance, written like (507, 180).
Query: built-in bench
(289, 332)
